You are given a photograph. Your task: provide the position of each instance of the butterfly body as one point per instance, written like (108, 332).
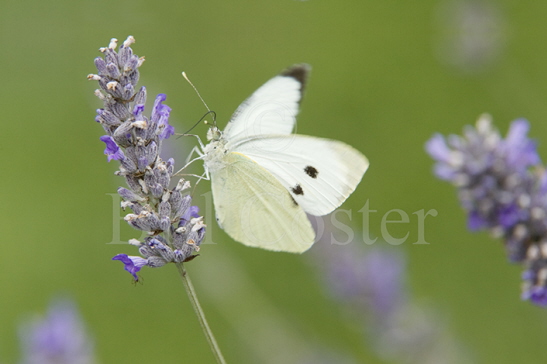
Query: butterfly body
(265, 179)
(214, 152)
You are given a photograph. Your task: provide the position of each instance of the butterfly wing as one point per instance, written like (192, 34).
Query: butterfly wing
(319, 173)
(256, 210)
(271, 109)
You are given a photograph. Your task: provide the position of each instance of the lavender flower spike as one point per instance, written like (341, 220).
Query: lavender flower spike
(501, 186)
(135, 141)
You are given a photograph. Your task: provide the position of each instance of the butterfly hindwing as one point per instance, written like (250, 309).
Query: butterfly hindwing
(255, 209)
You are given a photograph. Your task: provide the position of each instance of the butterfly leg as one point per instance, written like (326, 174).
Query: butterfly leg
(204, 176)
(198, 138)
(195, 149)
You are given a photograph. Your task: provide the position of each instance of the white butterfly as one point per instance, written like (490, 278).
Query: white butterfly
(265, 179)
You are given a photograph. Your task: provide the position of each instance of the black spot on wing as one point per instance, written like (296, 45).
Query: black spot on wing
(297, 190)
(311, 171)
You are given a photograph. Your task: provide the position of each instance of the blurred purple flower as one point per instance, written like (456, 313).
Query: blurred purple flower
(471, 34)
(371, 282)
(501, 185)
(58, 338)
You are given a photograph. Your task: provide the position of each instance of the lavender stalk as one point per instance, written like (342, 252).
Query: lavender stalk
(175, 230)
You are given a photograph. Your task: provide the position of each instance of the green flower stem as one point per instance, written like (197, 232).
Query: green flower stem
(199, 312)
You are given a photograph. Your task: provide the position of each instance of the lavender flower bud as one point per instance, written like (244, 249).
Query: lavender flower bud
(101, 66)
(133, 183)
(164, 209)
(122, 134)
(129, 195)
(140, 97)
(107, 118)
(162, 174)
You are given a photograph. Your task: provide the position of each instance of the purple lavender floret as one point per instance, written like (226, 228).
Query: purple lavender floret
(132, 263)
(58, 338)
(112, 150)
(501, 184)
(160, 116)
(175, 229)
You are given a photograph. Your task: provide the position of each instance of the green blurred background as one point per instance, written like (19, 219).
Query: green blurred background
(386, 76)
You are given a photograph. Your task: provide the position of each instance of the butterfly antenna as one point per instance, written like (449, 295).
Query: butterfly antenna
(201, 119)
(199, 95)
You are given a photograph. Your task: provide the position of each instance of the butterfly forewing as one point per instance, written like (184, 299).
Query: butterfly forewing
(319, 173)
(271, 109)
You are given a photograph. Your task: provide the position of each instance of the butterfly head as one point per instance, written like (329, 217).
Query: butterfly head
(214, 133)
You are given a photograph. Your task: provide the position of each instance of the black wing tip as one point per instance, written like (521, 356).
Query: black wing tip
(299, 72)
